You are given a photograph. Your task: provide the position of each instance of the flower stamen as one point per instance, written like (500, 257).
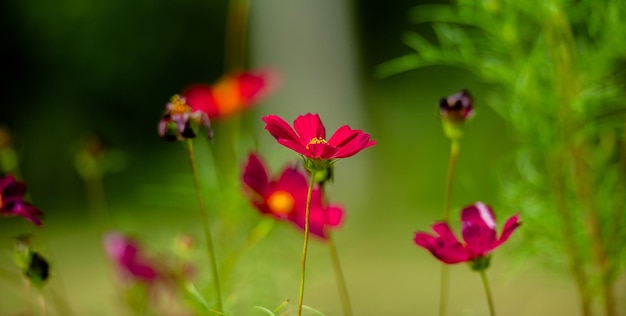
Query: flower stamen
(179, 105)
(315, 141)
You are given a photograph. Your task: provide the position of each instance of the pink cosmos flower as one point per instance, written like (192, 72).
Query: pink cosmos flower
(478, 228)
(232, 94)
(284, 197)
(125, 253)
(12, 201)
(309, 138)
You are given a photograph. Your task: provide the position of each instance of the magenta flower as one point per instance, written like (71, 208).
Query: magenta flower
(12, 201)
(182, 121)
(125, 253)
(309, 138)
(284, 198)
(478, 228)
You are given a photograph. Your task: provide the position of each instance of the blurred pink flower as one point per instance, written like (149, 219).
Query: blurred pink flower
(232, 94)
(126, 255)
(284, 197)
(478, 228)
(12, 201)
(309, 137)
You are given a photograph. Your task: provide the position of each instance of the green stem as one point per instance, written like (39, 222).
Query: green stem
(445, 273)
(443, 290)
(341, 280)
(236, 25)
(483, 276)
(568, 231)
(97, 201)
(454, 155)
(306, 241)
(582, 180)
(42, 304)
(205, 225)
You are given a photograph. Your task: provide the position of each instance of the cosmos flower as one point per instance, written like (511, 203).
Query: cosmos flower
(284, 197)
(12, 201)
(181, 120)
(309, 138)
(127, 256)
(478, 227)
(232, 94)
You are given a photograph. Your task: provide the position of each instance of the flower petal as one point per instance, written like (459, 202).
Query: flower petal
(9, 186)
(334, 215)
(200, 97)
(509, 227)
(322, 151)
(255, 175)
(478, 228)
(359, 143)
(445, 233)
(447, 249)
(280, 129)
(295, 146)
(309, 126)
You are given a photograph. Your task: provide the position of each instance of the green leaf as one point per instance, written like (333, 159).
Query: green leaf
(261, 308)
(311, 309)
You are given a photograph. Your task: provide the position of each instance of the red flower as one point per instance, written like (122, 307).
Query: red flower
(125, 253)
(12, 201)
(231, 94)
(284, 197)
(309, 137)
(479, 233)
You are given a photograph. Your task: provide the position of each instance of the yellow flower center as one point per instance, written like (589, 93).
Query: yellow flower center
(281, 202)
(315, 141)
(179, 105)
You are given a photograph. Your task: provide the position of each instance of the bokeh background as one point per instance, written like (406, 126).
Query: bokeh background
(74, 68)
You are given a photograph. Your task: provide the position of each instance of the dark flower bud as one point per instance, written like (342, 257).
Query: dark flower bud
(38, 269)
(455, 110)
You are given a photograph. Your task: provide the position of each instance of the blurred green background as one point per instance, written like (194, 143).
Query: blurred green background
(73, 68)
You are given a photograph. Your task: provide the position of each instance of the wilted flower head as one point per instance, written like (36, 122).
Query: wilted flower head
(309, 139)
(455, 110)
(232, 94)
(182, 121)
(126, 255)
(478, 228)
(12, 201)
(285, 197)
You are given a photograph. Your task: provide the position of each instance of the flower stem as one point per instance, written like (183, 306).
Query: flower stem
(483, 276)
(445, 273)
(42, 304)
(454, 154)
(341, 281)
(236, 25)
(443, 290)
(306, 240)
(205, 225)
